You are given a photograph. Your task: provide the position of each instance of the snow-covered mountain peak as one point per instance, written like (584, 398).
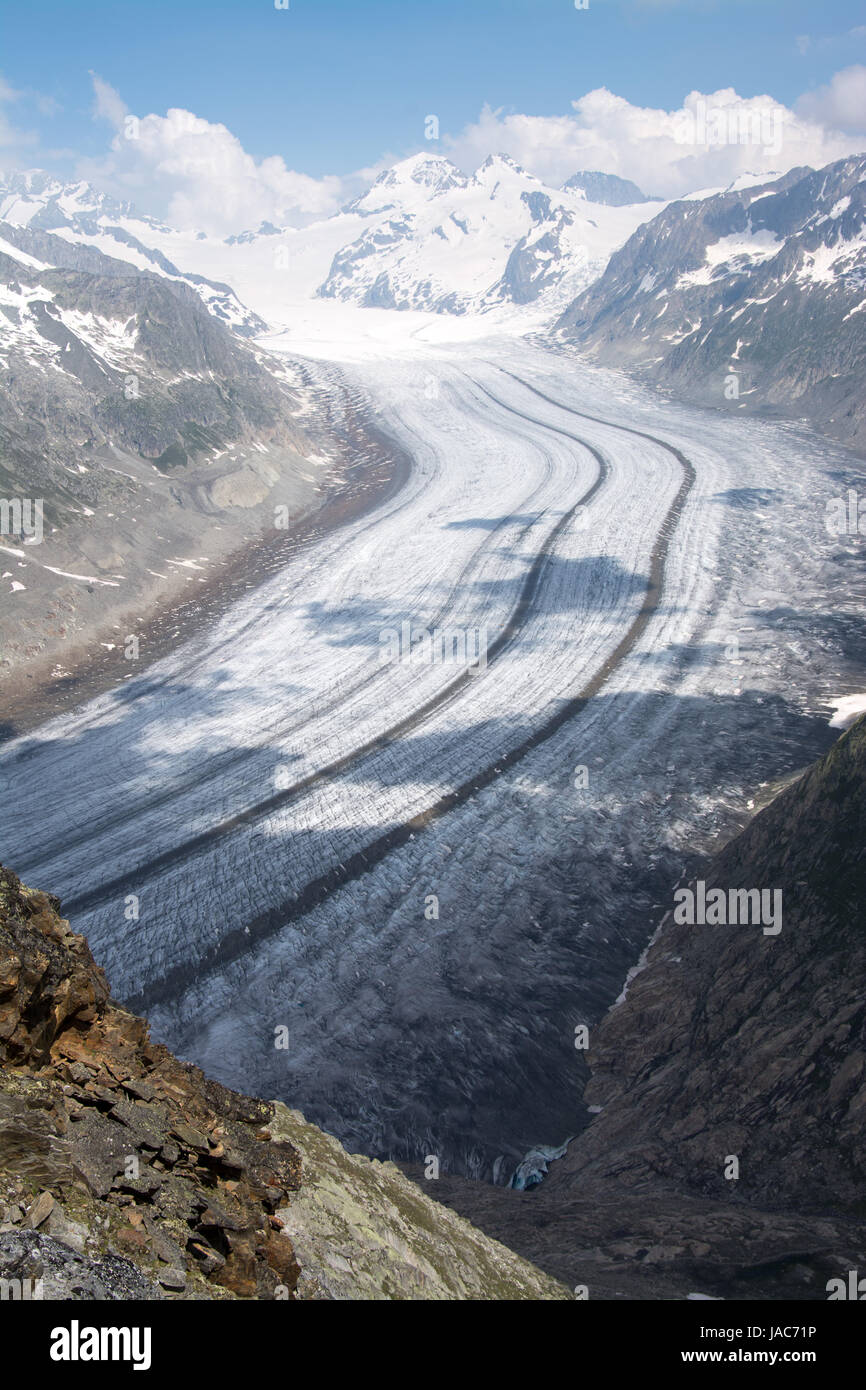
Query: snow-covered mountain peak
(432, 170)
(37, 199)
(92, 222)
(473, 243)
(500, 161)
(500, 175)
(412, 180)
(766, 278)
(596, 187)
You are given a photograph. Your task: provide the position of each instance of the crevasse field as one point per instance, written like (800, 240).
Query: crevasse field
(428, 875)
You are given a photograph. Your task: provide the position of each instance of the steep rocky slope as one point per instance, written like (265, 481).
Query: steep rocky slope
(729, 1043)
(140, 440)
(125, 1173)
(108, 354)
(752, 299)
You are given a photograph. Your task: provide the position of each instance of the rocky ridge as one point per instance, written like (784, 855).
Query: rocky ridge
(153, 441)
(752, 299)
(87, 222)
(125, 1173)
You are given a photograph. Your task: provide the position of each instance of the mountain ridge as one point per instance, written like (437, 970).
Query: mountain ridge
(607, 188)
(472, 242)
(751, 299)
(125, 396)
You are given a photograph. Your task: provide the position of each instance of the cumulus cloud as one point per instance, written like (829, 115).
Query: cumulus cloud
(707, 142)
(197, 174)
(841, 103)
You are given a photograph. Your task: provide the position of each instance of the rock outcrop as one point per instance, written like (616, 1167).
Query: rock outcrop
(727, 1155)
(125, 1173)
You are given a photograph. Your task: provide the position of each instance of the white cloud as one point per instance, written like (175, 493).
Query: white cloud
(841, 103)
(197, 174)
(108, 105)
(14, 143)
(805, 42)
(708, 141)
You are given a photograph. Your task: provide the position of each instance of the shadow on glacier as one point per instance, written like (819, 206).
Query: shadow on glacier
(593, 583)
(124, 771)
(842, 635)
(455, 1037)
(492, 523)
(747, 498)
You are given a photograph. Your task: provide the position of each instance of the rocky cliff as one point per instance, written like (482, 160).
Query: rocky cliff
(125, 1173)
(726, 1156)
(733, 1041)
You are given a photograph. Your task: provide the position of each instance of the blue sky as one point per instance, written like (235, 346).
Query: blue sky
(333, 85)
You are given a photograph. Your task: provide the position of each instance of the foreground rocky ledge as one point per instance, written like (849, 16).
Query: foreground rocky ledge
(125, 1173)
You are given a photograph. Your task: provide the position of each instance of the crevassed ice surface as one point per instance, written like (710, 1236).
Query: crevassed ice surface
(279, 750)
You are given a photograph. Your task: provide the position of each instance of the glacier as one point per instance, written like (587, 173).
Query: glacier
(430, 879)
